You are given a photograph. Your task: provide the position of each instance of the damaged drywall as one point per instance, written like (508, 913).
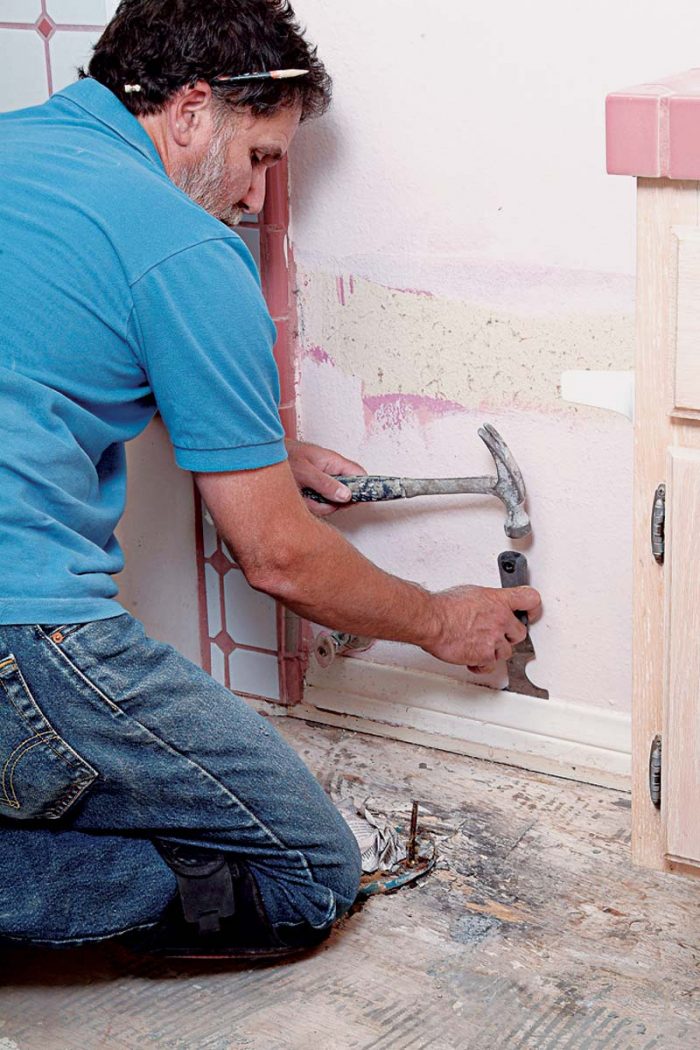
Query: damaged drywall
(402, 381)
(461, 351)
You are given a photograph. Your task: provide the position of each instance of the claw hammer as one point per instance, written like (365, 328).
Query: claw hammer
(507, 485)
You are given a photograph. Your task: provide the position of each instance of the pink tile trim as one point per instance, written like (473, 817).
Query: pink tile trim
(653, 130)
(46, 27)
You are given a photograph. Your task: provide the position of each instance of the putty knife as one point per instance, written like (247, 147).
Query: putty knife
(512, 566)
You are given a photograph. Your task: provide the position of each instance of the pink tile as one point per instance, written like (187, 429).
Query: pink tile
(632, 135)
(46, 27)
(684, 138)
(653, 130)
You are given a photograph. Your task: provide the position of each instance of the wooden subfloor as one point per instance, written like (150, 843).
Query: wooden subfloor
(535, 933)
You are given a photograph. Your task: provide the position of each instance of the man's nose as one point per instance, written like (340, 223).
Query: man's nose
(255, 197)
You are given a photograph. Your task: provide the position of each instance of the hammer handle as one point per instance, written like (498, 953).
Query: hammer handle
(512, 566)
(365, 488)
(370, 488)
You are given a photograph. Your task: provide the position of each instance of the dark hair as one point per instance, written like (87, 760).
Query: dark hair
(164, 45)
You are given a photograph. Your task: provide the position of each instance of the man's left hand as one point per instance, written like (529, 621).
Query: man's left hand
(313, 467)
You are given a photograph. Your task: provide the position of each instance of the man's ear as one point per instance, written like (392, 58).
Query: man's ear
(189, 113)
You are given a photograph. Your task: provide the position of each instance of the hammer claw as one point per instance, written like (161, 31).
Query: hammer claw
(509, 487)
(506, 466)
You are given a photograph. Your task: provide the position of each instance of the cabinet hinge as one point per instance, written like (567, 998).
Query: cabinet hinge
(655, 771)
(658, 524)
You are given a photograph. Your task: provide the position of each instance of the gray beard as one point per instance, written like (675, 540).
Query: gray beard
(203, 181)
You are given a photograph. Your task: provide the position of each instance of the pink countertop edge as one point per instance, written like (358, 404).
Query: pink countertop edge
(653, 130)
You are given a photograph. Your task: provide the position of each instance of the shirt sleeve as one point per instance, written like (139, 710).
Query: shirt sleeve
(204, 337)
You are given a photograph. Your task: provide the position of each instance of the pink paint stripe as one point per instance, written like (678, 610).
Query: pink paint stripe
(340, 287)
(17, 25)
(78, 28)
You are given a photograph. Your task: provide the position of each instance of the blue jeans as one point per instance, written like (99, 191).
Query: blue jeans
(109, 739)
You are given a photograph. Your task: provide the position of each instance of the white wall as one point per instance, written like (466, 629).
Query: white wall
(475, 133)
(458, 246)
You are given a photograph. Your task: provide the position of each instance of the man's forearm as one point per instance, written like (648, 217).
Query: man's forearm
(327, 580)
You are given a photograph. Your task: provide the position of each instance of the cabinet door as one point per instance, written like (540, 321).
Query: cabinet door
(680, 793)
(666, 665)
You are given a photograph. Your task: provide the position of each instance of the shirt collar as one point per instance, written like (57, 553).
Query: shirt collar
(103, 105)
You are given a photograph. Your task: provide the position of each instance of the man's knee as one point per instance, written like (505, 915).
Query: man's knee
(342, 875)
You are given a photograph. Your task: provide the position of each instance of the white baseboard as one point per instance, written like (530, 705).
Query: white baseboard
(579, 742)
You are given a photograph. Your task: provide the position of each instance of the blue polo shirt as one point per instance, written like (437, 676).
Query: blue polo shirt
(118, 296)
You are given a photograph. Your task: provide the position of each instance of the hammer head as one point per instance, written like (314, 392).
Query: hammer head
(510, 487)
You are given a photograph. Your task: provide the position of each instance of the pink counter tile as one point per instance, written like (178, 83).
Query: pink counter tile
(653, 130)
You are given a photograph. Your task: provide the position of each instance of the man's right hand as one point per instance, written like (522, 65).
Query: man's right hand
(476, 626)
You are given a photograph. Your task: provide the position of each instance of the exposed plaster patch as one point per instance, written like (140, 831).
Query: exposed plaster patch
(398, 342)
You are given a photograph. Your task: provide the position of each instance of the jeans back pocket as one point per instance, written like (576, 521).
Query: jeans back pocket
(40, 775)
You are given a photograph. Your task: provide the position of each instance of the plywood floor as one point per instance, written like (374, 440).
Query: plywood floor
(536, 932)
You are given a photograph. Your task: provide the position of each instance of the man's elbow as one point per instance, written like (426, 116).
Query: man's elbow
(277, 572)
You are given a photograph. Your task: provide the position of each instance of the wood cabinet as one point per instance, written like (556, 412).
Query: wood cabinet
(649, 136)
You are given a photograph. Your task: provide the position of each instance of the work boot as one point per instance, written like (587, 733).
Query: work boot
(217, 914)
